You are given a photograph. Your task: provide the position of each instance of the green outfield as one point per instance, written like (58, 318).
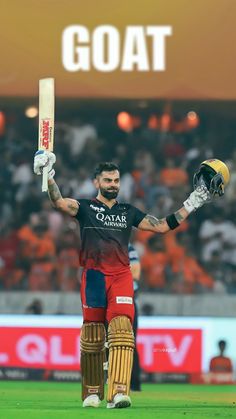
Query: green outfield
(43, 400)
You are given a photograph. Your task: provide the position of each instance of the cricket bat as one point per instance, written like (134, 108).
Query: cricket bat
(46, 121)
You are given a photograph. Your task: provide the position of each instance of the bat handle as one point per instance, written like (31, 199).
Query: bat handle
(45, 179)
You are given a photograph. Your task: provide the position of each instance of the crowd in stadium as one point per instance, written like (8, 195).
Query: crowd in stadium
(39, 247)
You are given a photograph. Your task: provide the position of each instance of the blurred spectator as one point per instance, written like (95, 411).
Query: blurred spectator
(173, 148)
(78, 134)
(67, 276)
(198, 152)
(155, 191)
(35, 241)
(37, 253)
(41, 277)
(143, 166)
(140, 240)
(217, 234)
(12, 276)
(36, 307)
(162, 206)
(220, 271)
(155, 265)
(147, 310)
(172, 242)
(127, 185)
(55, 219)
(172, 175)
(8, 247)
(22, 174)
(189, 277)
(31, 202)
(82, 185)
(221, 363)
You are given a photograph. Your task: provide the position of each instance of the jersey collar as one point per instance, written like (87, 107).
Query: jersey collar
(105, 205)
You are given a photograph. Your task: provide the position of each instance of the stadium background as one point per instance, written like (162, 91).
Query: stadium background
(158, 126)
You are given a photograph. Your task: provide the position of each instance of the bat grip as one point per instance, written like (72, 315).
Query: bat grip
(45, 179)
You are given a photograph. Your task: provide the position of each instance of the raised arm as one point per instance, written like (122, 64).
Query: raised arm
(66, 205)
(162, 225)
(196, 199)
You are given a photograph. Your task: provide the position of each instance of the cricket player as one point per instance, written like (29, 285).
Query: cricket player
(107, 283)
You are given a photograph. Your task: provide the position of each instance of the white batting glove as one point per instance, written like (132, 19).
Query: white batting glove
(44, 158)
(197, 199)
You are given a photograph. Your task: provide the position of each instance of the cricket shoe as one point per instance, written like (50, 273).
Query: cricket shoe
(91, 401)
(119, 401)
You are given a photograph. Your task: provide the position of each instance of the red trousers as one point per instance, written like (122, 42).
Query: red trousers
(104, 297)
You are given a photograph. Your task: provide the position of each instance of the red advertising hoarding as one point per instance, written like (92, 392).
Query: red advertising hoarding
(161, 350)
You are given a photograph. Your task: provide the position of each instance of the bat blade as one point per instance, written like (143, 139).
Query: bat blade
(46, 120)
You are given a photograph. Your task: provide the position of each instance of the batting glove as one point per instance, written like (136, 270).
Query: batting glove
(44, 158)
(197, 199)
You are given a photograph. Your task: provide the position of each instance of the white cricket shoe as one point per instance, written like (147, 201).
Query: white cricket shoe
(91, 401)
(119, 401)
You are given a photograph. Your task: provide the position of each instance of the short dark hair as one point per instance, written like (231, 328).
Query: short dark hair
(105, 167)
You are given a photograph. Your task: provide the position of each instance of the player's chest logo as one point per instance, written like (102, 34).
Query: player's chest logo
(112, 220)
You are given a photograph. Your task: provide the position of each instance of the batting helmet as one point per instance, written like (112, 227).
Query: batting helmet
(214, 174)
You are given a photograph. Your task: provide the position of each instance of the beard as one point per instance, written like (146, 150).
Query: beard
(109, 194)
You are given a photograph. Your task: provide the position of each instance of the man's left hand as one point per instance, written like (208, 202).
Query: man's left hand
(197, 199)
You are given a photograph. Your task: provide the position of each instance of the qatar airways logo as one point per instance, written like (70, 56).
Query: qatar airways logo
(105, 49)
(112, 220)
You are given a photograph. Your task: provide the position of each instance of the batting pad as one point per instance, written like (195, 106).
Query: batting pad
(92, 344)
(121, 348)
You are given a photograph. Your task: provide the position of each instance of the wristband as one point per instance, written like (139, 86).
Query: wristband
(172, 221)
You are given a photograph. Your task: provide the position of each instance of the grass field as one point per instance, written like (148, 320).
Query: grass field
(43, 400)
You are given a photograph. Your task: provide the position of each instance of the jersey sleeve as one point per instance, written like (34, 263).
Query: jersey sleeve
(138, 216)
(82, 209)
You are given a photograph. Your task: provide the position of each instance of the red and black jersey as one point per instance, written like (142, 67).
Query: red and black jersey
(105, 234)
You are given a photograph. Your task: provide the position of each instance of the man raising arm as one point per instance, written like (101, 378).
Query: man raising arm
(196, 199)
(107, 283)
(150, 223)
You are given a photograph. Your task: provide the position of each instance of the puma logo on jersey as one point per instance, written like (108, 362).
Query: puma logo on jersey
(96, 208)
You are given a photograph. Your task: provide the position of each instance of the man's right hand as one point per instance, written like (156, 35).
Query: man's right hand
(44, 158)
